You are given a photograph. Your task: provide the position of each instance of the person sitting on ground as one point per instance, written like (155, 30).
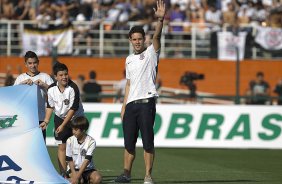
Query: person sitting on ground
(79, 151)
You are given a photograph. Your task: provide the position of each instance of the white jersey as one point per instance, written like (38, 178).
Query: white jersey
(141, 70)
(62, 102)
(79, 152)
(41, 98)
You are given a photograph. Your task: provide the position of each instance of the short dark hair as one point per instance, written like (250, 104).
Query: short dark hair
(59, 67)
(92, 74)
(30, 54)
(136, 29)
(81, 123)
(260, 74)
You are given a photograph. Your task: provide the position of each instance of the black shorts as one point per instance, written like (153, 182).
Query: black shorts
(139, 115)
(65, 134)
(86, 175)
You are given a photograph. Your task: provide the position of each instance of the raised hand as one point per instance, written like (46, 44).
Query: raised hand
(160, 11)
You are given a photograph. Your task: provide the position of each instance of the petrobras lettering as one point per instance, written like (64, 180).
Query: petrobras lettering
(7, 164)
(203, 126)
(7, 121)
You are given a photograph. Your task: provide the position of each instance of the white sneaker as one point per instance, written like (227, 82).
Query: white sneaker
(148, 180)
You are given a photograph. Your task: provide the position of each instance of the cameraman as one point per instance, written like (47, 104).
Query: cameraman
(188, 80)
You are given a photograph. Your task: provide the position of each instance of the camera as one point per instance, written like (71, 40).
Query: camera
(189, 77)
(188, 80)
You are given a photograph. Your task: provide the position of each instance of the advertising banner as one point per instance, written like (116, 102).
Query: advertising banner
(197, 126)
(23, 154)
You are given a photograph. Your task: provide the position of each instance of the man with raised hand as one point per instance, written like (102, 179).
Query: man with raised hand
(139, 105)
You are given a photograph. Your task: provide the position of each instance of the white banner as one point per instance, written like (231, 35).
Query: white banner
(269, 38)
(227, 43)
(23, 155)
(42, 41)
(198, 126)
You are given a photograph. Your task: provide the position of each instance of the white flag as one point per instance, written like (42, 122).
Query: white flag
(269, 38)
(42, 41)
(227, 43)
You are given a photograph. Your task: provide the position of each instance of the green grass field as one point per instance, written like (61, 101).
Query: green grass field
(207, 166)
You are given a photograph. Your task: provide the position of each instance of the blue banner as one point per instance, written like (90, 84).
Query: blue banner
(23, 155)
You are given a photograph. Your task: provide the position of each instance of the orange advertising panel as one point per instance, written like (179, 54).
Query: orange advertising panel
(220, 76)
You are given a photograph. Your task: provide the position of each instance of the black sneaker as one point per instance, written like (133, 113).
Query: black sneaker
(123, 179)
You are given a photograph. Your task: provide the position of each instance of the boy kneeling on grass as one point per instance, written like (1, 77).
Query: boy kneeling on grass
(79, 150)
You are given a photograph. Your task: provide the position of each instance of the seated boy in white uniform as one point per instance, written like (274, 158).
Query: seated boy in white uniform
(79, 150)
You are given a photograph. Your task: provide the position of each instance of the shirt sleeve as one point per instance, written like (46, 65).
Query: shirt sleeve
(49, 80)
(126, 70)
(154, 54)
(91, 148)
(18, 80)
(50, 101)
(74, 98)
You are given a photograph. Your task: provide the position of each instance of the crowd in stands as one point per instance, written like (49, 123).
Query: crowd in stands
(210, 16)
(119, 12)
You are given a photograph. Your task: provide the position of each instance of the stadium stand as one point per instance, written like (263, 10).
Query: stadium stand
(191, 30)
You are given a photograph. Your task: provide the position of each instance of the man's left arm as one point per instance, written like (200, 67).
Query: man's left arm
(160, 13)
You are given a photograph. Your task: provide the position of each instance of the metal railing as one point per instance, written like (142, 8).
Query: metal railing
(194, 42)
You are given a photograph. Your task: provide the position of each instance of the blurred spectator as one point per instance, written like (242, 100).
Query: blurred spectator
(183, 4)
(98, 12)
(80, 84)
(176, 19)
(43, 18)
(6, 10)
(9, 79)
(85, 7)
(69, 6)
(195, 11)
(35, 5)
(241, 2)
(22, 10)
(148, 40)
(136, 10)
(176, 16)
(224, 5)
(244, 16)
(260, 14)
(229, 15)
(82, 35)
(107, 2)
(148, 14)
(120, 88)
(92, 89)
(213, 17)
(61, 19)
(275, 15)
(259, 90)
(278, 91)
(118, 14)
